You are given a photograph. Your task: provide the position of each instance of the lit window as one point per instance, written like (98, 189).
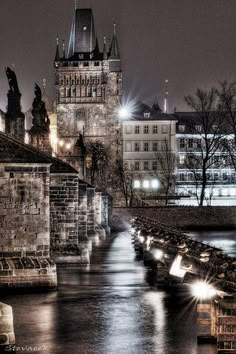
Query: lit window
(146, 129)
(136, 165)
(181, 159)
(146, 146)
(136, 129)
(155, 183)
(84, 28)
(128, 129)
(155, 129)
(145, 184)
(145, 165)
(136, 184)
(155, 146)
(154, 165)
(146, 114)
(136, 147)
(164, 129)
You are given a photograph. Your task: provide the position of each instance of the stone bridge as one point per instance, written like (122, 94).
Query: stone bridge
(48, 216)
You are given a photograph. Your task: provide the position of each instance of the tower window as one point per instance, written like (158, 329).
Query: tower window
(84, 28)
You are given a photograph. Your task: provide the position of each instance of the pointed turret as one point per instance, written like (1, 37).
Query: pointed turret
(82, 36)
(114, 50)
(156, 106)
(57, 56)
(104, 48)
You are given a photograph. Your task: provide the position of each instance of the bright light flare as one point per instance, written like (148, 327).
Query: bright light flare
(124, 112)
(158, 254)
(203, 290)
(141, 239)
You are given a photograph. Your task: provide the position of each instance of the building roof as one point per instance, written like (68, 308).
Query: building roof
(82, 36)
(15, 151)
(143, 112)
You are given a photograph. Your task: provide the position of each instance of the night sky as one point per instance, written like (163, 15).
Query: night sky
(190, 42)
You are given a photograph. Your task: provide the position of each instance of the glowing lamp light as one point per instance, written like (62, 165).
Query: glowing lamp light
(61, 143)
(68, 146)
(141, 239)
(158, 254)
(124, 112)
(203, 290)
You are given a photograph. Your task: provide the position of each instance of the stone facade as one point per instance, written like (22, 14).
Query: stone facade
(25, 226)
(89, 88)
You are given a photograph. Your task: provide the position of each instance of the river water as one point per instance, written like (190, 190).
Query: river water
(110, 308)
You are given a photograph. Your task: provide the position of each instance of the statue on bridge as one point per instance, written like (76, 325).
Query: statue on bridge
(39, 112)
(12, 80)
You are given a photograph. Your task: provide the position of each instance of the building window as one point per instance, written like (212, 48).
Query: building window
(199, 143)
(190, 177)
(182, 143)
(136, 147)
(155, 146)
(128, 129)
(136, 165)
(137, 129)
(96, 63)
(181, 128)
(198, 128)
(154, 165)
(145, 165)
(146, 114)
(146, 129)
(155, 129)
(155, 183)
(216, 176)
(86, 63)
(145, 184)
(181, 177)
(181, 159)
(225, 176)
(137, 184)
(190, 143)
(164, 129)
(146, 146)
(128, 147)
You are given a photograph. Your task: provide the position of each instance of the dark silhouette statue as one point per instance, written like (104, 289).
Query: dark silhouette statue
(12, 80)
(40, 117)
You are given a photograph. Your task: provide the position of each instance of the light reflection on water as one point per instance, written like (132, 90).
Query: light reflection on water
(226, 240)
(109, 308)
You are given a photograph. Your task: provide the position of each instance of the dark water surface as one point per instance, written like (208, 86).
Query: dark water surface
(109, 308)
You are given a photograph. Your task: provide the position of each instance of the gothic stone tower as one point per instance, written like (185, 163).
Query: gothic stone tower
(88, 87)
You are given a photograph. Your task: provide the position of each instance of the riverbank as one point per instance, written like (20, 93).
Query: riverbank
(185, 218)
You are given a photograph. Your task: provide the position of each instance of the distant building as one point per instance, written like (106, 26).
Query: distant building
(221, 176)
(147, 133)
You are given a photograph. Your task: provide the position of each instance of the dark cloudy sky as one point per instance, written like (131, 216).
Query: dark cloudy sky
(190, 42)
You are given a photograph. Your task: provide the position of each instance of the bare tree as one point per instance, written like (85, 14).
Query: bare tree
(98, 157)
(166, 160)
(207, 128)
(227, 103)
(125, 181)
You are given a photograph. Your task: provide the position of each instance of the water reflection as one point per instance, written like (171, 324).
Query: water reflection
(110, 308)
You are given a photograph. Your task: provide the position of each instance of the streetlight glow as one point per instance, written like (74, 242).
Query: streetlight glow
(124, 112)
(203, 290)
(158, 254)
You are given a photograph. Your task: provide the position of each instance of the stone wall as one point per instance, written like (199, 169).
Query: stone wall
(25, 227)
(64, 209)
(182, 217)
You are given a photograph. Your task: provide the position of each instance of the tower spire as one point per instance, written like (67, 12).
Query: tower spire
(63, 50)
(76, 4)
(114, 50)
(57, 56)
(166, 96)
(104, 48)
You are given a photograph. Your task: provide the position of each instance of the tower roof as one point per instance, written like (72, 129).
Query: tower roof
(82, 36)
(114, 50)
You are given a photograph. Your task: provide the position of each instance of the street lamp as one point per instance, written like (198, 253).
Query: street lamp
(202, 290)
